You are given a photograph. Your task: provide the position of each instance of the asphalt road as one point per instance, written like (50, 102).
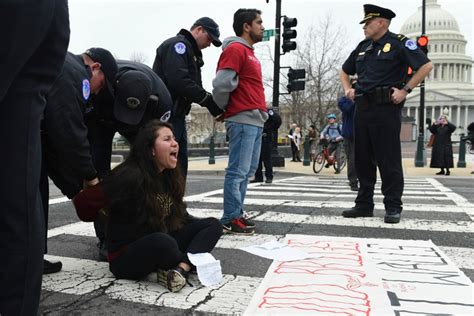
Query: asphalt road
(440, 210)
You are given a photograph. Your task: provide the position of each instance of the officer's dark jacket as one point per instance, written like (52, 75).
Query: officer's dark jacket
(383, 63)
(273, 122)
(180, 68)
(64, 132)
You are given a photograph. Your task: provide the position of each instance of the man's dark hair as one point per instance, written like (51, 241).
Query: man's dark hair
(242, 16)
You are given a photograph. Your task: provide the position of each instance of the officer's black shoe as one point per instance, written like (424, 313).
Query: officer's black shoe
(392, 218)
(51, 267)
(256, 180)
(268, 181)
(439, 173)
(356, 212)
(337, 171)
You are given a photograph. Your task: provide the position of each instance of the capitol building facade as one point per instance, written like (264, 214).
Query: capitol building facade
(448, 88)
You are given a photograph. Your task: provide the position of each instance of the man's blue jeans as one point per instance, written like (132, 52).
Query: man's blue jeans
(244, 152)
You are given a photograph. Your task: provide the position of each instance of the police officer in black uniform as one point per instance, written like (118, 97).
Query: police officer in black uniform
(35, 36)
(139, 96)
(66, 152)
(270, 129)
(178, 62)
(380, 62)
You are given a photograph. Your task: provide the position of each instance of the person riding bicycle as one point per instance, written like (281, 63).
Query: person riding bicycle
(332, 132)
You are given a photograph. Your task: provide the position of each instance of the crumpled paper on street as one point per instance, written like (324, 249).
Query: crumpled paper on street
(208, 269)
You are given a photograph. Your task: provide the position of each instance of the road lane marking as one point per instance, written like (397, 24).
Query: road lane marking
(81, 276)
(461, 256)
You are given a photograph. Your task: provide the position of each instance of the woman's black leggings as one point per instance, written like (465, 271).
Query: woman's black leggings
(166, 250)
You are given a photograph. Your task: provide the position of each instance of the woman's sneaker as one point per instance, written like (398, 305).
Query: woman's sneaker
(174, 280)
(237, 226)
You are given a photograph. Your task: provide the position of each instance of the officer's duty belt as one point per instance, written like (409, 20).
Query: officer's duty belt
(378, 96)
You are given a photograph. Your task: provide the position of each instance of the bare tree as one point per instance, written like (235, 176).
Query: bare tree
(139, 57)
(321, 54)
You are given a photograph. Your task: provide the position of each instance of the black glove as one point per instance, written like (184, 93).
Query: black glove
(211, 106)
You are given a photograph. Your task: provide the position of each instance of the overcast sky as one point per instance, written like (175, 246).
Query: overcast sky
(139, 26)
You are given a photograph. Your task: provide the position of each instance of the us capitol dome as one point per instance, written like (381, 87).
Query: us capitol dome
(449, 88)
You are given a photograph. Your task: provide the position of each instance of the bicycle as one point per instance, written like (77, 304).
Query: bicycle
(322, 158)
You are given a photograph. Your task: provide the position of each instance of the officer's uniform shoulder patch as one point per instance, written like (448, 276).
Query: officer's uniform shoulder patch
(411, 44)
(86, 89)
(180, 48)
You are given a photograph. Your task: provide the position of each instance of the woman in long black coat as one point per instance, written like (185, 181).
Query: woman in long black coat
(442, 150)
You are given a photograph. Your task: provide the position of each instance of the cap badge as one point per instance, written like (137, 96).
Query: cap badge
(165, 117)
(270, 112)
(86, 89)
(411, 44)
(387, 47)
(132, 103)
(180, 48)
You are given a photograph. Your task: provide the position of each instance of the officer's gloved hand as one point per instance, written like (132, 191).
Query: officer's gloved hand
(211, 106)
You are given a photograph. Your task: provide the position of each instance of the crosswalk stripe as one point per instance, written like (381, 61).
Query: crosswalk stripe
(58, 200)
(262, 192)
(336, 187)
(339, 189)
(462, 256)
(81, 276)
(343, 205)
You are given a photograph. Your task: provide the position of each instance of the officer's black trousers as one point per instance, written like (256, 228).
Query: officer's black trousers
(34, 40)
(265, 160)
(377, 144)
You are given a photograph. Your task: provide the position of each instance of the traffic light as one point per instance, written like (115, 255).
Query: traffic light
(294, 84)
(422, 42)
(288, 34)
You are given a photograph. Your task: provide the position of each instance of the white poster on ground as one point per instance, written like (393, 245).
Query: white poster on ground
(356, 276)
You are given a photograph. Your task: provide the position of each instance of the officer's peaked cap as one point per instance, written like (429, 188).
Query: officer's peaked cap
(212, 29)
(132, 91)
(372, 11)
(107, 62)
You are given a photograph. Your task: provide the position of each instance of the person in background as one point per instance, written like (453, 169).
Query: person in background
(312, 134)
(292, 144)
(35, 37)
(270, 128)
(442, 150)
(148, 227)
(296, 140)
(238, 89)
(333, 133)
(347, 108)
(178, 62)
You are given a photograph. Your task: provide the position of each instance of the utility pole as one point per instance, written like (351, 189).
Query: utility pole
(420, 158)
(277, 159)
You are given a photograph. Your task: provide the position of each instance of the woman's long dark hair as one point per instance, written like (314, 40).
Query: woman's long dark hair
(138, 177)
